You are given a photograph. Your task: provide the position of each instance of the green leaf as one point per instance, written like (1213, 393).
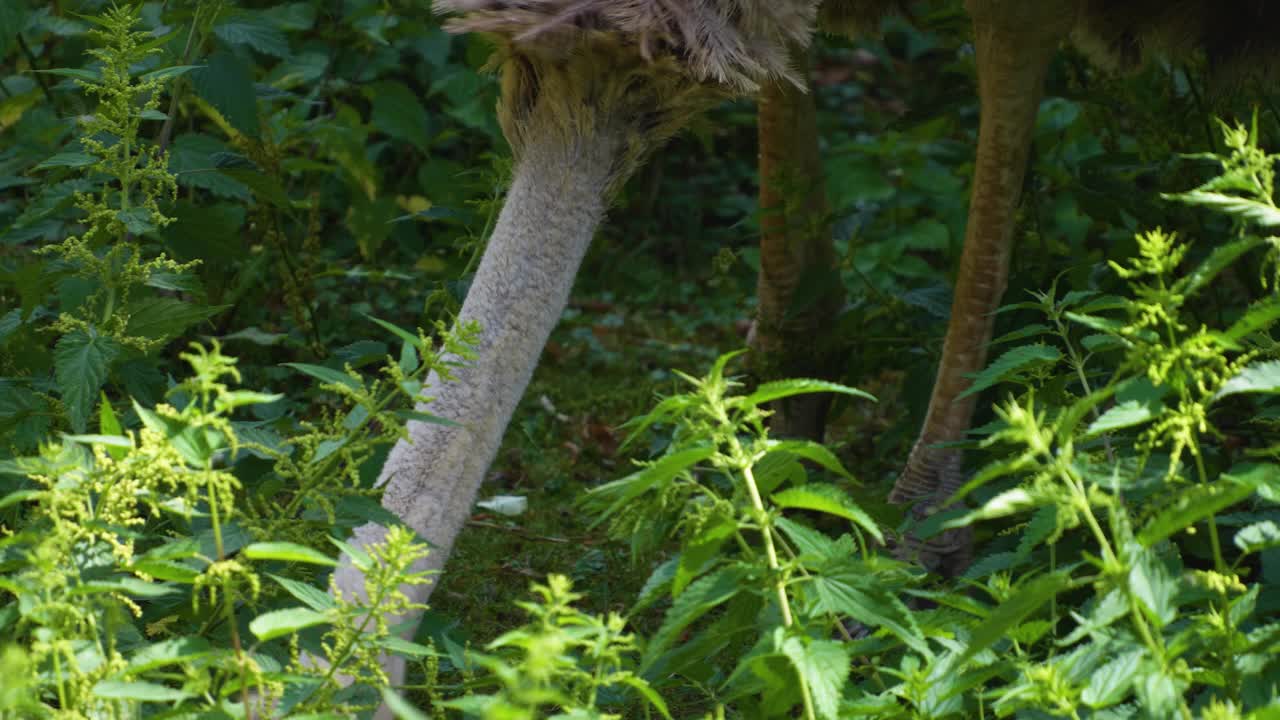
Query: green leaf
(701, 596)
(396, 330)
(195, 445)
(314, 597)
(67, 159)
(419, 416)
(1025, 600)
(174, 651)
(398, 113)
(287, 552)
(164, 318)
(325, 375)
(779, 389)
(876, 607)
(1153, 585)
(1259, 377)
(701, 551)
(400, 707)
(1261, 315)
(285, 622)
(1011, 364)
(1110, 683)
(829, 499)
(1258, 537)
(1123, 415)
(226, 83)
(168, 73)
(620, 492)
(815, 453)
(81, 363)
(647, 692)
(1193, 504)
(1252, 211)
(89, 76)
(138, 691)
(1218, 260)
(255, 32)
(1264, 478)
(265, 187)
(823, 666)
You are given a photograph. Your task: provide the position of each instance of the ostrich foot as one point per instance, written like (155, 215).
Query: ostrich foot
(932, 475)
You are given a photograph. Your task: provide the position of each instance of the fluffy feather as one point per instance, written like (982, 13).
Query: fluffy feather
(738, 43)
(1240, 38)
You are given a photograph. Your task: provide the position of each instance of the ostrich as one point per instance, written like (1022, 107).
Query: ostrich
(1015, 40)
(589, 87)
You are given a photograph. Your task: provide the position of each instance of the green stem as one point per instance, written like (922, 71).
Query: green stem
(766, 527)
(228, 591)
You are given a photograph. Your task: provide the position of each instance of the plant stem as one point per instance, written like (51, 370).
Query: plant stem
(766, 530)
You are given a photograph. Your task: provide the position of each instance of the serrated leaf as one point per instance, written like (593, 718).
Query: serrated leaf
(701, 551)
(67, 159)
(422, 417)
(81, 363)
(89, 76)
(1153, 585)
(657, 585)
(1259, 377)
(398, 113)
(287, 552)
(620, 492)
(871, 606)
(1259, 316)
(1264, 478)
(255, 32)
(1123, 415)
(1011, 363)
(396, 330)
(1218, 260)
(138, 691)
(164, 318)
(312, 596)
(1253, 211)
(1258, 537)
(226, 83)
(168, 73)
(277, 623)
(823, 666)
(815, 453)
(770, 391)
(174, 651)
(1193, 504)
(193, 443)
(1025, 600)
(325, 375)
(828, 499)
(1110, 683)
(703, 595)
(265, 187)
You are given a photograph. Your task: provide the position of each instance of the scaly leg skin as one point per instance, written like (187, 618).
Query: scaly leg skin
(1015, 41)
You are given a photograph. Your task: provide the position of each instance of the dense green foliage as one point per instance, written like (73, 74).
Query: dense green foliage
(217, 220)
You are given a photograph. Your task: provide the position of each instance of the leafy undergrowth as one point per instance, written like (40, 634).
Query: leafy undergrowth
(258, 179)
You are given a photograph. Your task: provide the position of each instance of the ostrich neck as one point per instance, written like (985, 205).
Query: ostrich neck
(554, 205)
(556, 200)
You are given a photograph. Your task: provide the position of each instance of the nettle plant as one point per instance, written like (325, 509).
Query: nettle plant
(1135, 581)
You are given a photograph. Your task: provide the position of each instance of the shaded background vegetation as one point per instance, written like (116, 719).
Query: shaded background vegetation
(337, 160)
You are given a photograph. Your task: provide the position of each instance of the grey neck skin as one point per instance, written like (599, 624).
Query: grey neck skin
(555, 203)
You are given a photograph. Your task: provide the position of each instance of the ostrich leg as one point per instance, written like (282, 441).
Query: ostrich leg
(795, 246)
(1015, 41)
(587, 93)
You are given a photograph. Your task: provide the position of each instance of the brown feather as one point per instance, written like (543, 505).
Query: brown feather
(739, 43)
